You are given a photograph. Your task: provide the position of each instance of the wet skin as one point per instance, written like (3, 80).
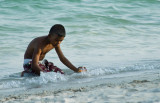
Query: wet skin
(40, 46)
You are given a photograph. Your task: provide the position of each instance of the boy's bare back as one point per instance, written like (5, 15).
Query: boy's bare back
(38, 43)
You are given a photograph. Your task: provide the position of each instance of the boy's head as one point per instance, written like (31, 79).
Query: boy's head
(58, 29)
(56, 34)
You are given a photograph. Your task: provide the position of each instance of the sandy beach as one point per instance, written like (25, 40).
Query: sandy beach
(134, 91)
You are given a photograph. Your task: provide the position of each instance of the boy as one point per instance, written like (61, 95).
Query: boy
(38, 48)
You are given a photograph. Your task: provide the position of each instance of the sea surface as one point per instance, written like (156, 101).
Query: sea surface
(111, 38)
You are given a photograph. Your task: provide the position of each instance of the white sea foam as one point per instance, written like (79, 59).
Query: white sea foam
(52, 77)
(32, 81)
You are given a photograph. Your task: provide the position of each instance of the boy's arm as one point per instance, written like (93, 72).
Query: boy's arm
(64, 60)
(35, 60)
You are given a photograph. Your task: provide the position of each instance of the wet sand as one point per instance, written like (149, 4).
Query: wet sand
(142, 91)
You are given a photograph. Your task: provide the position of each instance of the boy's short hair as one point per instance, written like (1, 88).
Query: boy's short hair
(58, 29)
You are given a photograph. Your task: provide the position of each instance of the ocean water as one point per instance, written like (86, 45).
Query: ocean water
(112, 39)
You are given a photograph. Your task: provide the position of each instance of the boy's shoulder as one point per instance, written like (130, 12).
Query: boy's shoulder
(38, 40)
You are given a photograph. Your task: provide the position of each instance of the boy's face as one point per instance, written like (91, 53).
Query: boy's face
(56, 40)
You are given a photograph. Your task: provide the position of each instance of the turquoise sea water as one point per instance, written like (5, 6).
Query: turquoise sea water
(108, 37)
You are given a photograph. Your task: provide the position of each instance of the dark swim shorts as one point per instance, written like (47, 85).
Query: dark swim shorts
(45, 66)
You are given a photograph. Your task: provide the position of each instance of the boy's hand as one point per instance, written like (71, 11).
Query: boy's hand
(82, 69)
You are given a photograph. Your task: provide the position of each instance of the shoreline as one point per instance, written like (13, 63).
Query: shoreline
(134, 90)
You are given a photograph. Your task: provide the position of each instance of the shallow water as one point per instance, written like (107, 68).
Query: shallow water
(108, 37)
